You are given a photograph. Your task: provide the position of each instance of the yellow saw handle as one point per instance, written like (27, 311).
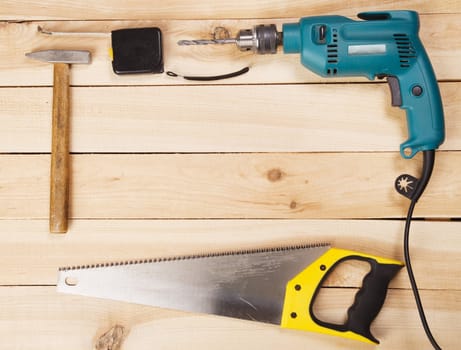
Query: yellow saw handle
(302, 290)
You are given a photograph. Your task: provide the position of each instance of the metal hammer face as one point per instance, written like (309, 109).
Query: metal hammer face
(61, 56)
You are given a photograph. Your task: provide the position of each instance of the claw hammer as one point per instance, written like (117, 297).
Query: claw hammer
(60, 162)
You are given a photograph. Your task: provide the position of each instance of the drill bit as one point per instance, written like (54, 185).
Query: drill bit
(207, 42)
(261, 39)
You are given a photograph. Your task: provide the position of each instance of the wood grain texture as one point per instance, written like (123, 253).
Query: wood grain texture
(143, 9)
(439, 34)
(60, 134)
(299, 185)
(319, 154)
(306, 118)
(57, 321)
(100, 241)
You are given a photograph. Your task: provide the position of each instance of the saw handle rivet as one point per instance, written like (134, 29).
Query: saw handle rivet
(71, 281)
(294, 315)
(323, 267)
(298, 287)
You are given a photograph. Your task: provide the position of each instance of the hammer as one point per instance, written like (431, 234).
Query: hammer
(59, 184)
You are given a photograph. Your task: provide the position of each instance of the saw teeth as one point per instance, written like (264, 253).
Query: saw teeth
(195, 256)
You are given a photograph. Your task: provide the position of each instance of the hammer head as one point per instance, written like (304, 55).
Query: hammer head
(61, 56)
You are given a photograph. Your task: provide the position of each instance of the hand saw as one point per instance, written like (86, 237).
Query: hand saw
(274, 285)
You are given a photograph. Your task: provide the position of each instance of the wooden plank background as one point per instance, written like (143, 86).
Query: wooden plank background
(162, 166)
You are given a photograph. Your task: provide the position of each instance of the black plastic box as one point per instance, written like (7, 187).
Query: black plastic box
(137, 50)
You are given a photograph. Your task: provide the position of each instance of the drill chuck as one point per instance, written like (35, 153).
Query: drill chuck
(261, 39)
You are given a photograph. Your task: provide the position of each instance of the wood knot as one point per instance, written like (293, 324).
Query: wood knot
(111, 340)
(293, 205)
(274, 175)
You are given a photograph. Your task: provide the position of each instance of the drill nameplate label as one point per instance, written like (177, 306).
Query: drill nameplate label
(375, 49)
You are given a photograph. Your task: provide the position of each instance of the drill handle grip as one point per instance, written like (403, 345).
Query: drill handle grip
(417, 92)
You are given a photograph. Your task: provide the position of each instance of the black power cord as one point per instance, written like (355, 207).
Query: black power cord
(212, 77)
(428, 166)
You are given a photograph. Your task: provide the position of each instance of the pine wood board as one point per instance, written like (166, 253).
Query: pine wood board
(101, 241)
(119, 200)
(144, 9)
(256, 185)
(439, 33)
(306, 118)
(50, 320)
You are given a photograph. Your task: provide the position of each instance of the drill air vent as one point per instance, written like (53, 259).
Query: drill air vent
(405, 49)
(332, 53)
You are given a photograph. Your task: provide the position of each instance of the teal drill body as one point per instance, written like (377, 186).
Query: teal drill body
(382, 44)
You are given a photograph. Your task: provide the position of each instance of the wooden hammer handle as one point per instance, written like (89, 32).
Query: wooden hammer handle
(59, 183)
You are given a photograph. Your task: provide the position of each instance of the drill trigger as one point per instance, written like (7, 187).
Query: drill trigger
(396, 95)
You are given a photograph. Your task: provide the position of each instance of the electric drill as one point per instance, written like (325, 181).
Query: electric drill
(380, 45)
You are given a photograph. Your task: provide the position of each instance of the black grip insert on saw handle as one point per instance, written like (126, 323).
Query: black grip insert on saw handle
(302, 290)
(368, 300)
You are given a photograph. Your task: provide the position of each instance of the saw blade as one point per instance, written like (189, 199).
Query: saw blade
(242, 284)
